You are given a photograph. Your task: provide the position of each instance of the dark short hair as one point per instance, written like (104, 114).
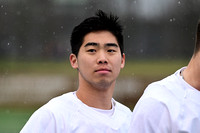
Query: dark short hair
(197, 45)
(100, 22)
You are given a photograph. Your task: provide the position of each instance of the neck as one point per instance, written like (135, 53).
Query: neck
(192, 72)
(95, 97)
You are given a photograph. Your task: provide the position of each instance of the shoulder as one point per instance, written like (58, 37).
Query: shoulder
(151, 116)
(122, 112)
(164, 89)
(66, 99)
(171, 88)
(162, 95)
(122, 107)
(122, 115)
(59, 106)
(52, 115)
(65, 103)
(155, 109)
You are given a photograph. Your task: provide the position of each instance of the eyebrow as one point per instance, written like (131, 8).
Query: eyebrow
(111, 44)
(91, 44)
(96, 44)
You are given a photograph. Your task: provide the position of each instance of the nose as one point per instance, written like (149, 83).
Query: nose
(102, 62)
(102, 59)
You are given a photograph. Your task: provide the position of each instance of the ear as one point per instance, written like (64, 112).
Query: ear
(73, 61)
(123, 61)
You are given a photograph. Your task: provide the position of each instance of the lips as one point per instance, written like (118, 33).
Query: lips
(103, 70)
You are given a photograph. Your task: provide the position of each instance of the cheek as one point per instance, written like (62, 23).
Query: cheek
(84, 63)
(117, 65)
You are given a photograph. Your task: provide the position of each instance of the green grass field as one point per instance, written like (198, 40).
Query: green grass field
(12, 119)
(139, 68)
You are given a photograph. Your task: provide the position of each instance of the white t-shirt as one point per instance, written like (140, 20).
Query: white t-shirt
(67, 114)
(167, 106)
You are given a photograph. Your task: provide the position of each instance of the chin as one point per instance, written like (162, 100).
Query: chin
(103, 85)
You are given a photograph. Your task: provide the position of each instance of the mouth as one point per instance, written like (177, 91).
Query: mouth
(103, 71)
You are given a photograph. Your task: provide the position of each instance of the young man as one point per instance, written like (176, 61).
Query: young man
(97, 54)
(171, 105)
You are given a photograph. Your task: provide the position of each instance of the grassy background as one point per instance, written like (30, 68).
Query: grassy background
(139, 68)
(13, 118)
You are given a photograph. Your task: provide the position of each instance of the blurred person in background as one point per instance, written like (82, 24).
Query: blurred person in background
(171, 105)
(98, 55)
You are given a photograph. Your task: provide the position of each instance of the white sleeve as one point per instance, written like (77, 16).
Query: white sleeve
(150, 116)
(42, 121)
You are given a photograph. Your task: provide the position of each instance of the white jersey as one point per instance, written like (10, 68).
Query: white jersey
(67, 114)
(167, 106)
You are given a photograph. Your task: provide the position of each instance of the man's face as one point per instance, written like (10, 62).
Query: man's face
(99, 60)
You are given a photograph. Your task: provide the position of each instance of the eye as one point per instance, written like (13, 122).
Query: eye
(91, 50)
(111, 50)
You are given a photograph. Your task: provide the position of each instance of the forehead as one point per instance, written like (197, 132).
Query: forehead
(101, 37)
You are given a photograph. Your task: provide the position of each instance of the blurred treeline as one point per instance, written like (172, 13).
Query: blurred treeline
(40, 29)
